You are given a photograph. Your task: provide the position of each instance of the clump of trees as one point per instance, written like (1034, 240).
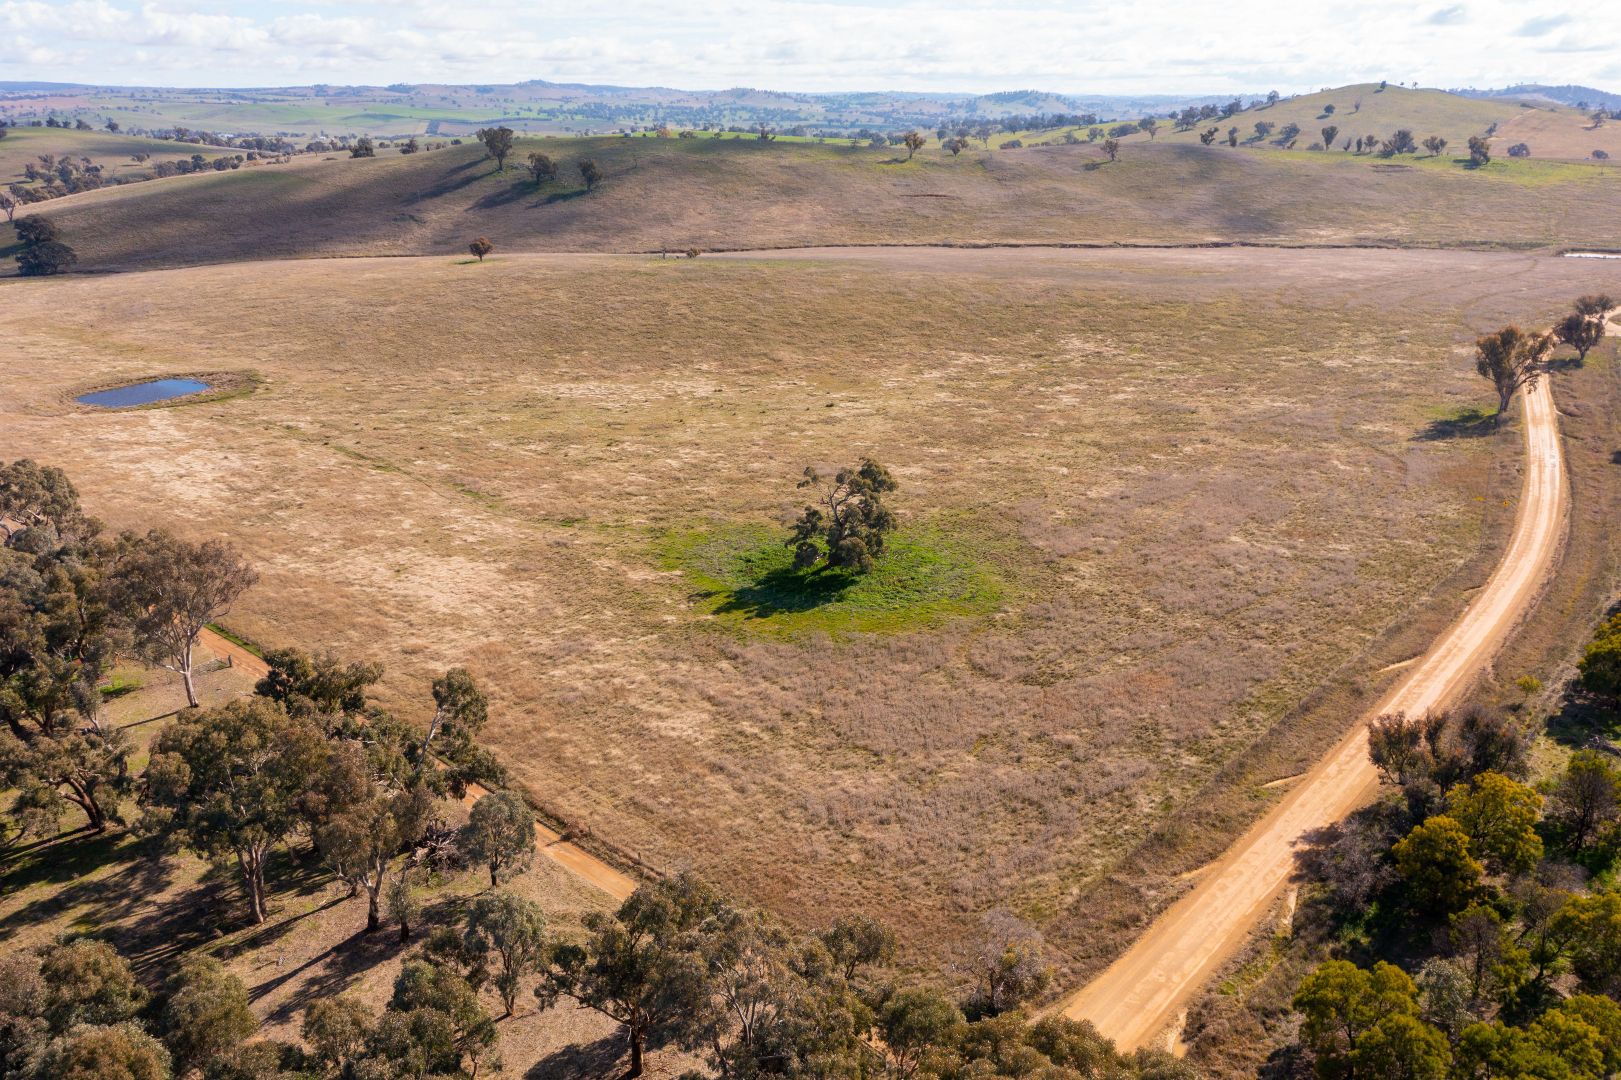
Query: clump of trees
(845, 528)
(1480, 151)
(1495, 892)
(363, 148)
(1584, 327)
(43, 252)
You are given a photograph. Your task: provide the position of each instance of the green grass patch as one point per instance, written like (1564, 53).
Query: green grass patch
(237, 640)
(744, 576)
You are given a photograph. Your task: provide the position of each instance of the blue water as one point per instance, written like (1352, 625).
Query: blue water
(142, 393)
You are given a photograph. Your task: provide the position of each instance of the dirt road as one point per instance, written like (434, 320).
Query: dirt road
(1139, 996)
(571, 857)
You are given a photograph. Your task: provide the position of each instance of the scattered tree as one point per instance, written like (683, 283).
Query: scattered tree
(230, 782)
(173, 589)
(1111, 148)
(481, 247)
(497, 144)
(1511, 359)
(206, 1017)
(856, 941)
(913, 141)
(1435, 862)
(1580, 333)
(500, 835)
(1480, 151)
(590, 174)
(542, 169)
(643, 966)
(510, 932)
(1330, 133)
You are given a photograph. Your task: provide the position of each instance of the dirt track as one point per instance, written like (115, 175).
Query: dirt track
(571, 857)
(1140, 995)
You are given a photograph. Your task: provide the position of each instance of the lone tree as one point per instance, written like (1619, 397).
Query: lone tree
(1480, 151)
(497, 144)
(1511, 358)
(590, 173)
(914, 142)
(542, 169)
(1111, 147)
(1435, 144)
(846, 527)
(481, 247)
(172, 590)
(1330, 133)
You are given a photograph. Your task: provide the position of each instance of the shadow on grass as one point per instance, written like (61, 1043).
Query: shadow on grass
(1468, 423)
(565, 196)
(600, 1058)
(785, 591)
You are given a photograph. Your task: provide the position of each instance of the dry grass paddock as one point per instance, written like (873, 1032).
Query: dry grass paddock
(1202, 482)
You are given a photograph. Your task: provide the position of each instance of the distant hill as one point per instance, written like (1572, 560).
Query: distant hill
(1366, 111)
(1569, 94)
(725, 194)
(538, 106)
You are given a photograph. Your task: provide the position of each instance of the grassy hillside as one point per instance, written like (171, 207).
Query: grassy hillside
(112, 152)
(1364, 109)
(719, 194)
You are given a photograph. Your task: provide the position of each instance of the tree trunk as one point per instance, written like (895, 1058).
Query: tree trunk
(494, 865)
(185, 674)
(252, 866)
(81, 797)
(405, 931)
(373, 917)
(637, 1040)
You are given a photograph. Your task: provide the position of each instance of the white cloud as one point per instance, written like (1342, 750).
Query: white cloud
(969, 45)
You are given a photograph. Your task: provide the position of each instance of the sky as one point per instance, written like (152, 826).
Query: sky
(1079, 46)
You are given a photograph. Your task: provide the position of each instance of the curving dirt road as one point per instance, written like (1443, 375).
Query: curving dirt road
(1139, 996)
(572, 857)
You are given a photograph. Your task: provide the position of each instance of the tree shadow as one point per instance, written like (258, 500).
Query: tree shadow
(597, 1059)
(1615, 457)
(786, 591)
(1471, 423)
(511, 194)
(565, 196)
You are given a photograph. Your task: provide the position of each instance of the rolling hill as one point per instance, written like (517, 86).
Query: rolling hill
(730, 194)
(1366, 110)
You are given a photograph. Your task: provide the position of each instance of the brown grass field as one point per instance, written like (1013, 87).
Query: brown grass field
(1152, 502)
(741, 194)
